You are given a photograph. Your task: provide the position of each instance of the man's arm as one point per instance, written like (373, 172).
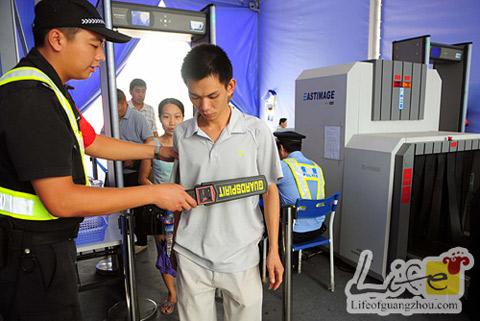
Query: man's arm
(272, 220)
(63, 198)
(115, 149)
(144, 172)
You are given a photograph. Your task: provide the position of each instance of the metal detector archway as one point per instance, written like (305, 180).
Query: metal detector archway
(128, 16)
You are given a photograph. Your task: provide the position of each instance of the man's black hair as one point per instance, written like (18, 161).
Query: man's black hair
(40, 34)
(121, 95)
(282, 120)
(137, 82)
(290, 147)
(207, 60)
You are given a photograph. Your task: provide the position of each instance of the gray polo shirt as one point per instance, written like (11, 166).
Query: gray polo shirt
(134, 127)
(224, 237)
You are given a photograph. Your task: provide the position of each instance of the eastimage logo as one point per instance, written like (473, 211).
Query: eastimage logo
(432, 285)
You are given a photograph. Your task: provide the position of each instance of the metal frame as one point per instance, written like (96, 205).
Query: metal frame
(134, 306)
(113, 129)
(455, 74)
(287, 286)
(9, 55)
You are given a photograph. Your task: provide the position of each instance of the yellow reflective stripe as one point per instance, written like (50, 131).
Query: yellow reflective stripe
(319, 180)
(321, 183)
(23, 206)
(31, 73)
(9, 80)
(302, 181)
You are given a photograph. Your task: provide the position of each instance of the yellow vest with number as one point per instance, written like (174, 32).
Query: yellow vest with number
(303, 173)
(28, 206)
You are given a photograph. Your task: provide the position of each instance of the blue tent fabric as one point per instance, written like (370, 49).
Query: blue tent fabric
(85, 91)
(301, 34)
(238, 39)
(447, 22)
(199, 4)
(237, 33)
(26, 13)
(304, 34)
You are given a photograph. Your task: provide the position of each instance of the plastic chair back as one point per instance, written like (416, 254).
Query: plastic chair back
(306, 208)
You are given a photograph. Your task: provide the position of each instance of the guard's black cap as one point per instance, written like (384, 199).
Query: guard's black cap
(289, 136)
(75, 14)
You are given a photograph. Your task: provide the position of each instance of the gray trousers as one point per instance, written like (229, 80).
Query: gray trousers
(242, 293)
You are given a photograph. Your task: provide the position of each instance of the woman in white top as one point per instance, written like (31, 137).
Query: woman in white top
(171, 113)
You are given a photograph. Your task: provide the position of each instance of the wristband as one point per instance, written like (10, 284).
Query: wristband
(156, 150)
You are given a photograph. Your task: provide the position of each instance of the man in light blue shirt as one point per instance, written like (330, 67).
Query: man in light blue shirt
(133, 125)
(302, 178)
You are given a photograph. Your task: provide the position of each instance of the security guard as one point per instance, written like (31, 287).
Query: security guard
(302, 178)
(44, 189)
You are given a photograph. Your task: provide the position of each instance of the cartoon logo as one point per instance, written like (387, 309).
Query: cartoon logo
(432, 285)
(449, 269)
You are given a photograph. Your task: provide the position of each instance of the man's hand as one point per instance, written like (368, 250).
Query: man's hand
(173, 259)
(275, 270)
(167, 154)
(172, 197)
(128, 164)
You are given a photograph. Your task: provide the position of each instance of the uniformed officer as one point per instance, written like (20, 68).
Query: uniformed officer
(302, 178)
(44, 189)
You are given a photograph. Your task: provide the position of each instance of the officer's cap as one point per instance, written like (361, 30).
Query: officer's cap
(73, 14)
(289, 137)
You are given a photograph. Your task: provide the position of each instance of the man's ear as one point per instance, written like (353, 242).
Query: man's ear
(231, 88)
(283, 151)
(55, 39)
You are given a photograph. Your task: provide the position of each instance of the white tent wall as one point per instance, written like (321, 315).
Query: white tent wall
(302, 34)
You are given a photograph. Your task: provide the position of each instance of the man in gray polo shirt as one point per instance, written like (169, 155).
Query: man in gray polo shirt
(217, 246)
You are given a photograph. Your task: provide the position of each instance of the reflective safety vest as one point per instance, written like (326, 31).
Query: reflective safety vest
(303, 173)
(28, 206)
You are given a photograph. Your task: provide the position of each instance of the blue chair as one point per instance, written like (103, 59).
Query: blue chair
(305, 208)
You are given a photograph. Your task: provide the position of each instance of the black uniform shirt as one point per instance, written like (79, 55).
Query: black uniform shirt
(36, 140)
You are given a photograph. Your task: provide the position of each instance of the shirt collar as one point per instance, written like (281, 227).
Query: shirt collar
(35, 59)
(128, 113)
(236, 124)
(295, 154)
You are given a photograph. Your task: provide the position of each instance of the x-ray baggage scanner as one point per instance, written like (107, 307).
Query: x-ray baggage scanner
(372, 126)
